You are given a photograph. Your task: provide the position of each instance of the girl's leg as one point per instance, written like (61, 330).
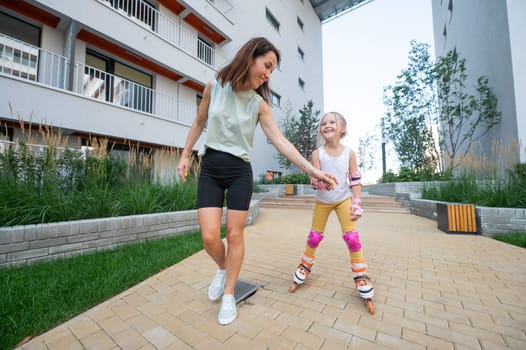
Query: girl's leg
(352, 239)
(319, 220)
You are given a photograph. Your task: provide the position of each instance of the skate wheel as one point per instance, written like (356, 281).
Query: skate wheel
(370, 306)
(293, 287)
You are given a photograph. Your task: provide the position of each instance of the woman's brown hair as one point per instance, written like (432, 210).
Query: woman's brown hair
(236, 72)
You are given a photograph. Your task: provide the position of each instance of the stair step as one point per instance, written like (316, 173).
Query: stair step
(377, 204)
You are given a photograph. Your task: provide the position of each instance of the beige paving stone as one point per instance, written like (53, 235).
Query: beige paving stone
(135, 299)
(396, 342)
(315, 316)
(428, 320)
(100, 313)
(112, 325)
(62, 339)
(159, 337)
(129, 339)
(141, 323)
(295, 321)
(364, 344)
(239, 342)
(405, 323)
(453, 336)
(124, 311)
(275, 326)
(99, 341)
(388, 328)
(354, 329)
(84, 326)
(425, 340)
(515, 343)
(482, 334)
(350, 317)
(189, 334)
(303, 337)
(330, 333)
(287, 308)
(273, 341)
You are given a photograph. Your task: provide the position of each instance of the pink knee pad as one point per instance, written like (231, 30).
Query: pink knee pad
(353, 241)
(314, 239)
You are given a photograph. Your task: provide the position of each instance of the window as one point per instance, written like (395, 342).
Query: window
(272, 20)
(275, 98)
(6, 133)
(271, 175)
(112, 81)
(301, 83)
(301, 54)
(300, 22)
(205, 51)
(19, 53)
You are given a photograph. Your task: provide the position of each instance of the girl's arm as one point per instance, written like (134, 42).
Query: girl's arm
(195, 132)
(286, 148)
(356, 189)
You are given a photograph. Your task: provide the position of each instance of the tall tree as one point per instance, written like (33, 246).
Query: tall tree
(464, 117)
(411, 112)
(301, 131)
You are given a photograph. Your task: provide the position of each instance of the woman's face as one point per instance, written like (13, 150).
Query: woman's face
(261, 69)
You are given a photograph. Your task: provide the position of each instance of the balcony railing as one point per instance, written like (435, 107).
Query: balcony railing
(30, 63)
(99, 85)
(151, 19)
(25, 61)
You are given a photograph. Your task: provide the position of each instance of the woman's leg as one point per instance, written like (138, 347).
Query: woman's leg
(210, 223)
(235, 253)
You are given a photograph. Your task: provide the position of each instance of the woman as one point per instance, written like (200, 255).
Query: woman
(231, 108)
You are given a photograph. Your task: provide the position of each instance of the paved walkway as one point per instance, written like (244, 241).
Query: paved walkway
(433, 291)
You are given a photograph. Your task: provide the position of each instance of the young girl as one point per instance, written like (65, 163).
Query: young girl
(231, 108)
(334, 157)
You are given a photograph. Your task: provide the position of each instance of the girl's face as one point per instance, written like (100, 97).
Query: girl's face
(261, 69)
(330, 127)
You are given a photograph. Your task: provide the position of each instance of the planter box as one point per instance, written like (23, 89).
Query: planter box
(290, 189)
(456, 218)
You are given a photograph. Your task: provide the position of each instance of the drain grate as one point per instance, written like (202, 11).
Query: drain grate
(244, 290)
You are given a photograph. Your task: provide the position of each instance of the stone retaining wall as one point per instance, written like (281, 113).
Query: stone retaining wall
(490, 221)
(24, 245)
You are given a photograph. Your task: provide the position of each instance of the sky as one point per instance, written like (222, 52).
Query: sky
(363, 52)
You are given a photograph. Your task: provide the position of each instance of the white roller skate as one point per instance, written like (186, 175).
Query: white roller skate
(301, 273)
(363, 284)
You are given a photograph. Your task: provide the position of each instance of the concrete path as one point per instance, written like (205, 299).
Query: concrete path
(433, 291)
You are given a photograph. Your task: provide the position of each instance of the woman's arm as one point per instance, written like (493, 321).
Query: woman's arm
(195, 132)
(286, 148)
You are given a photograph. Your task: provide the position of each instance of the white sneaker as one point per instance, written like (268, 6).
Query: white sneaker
(228, 311)
(218, 284)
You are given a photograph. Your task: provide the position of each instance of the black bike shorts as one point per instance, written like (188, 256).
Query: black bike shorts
(224, 173)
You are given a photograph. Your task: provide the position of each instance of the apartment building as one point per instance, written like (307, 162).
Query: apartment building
(491, 36)
(133, 71)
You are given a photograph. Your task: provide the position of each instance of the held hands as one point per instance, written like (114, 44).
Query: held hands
(324, 182)
(356, 210)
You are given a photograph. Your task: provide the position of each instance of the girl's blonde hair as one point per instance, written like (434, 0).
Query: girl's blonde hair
(340, 120)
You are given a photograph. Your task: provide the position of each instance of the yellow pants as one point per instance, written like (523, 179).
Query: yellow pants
(319, 221)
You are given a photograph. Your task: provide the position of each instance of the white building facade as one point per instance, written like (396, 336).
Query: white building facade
(491, 36)
(133, 71)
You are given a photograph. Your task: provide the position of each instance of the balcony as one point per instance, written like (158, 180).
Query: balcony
(28, 63)
(152, 20)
